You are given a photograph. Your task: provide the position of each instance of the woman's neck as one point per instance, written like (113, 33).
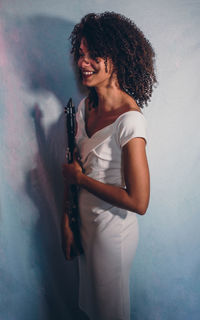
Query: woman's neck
(112, 98)
(109, 99)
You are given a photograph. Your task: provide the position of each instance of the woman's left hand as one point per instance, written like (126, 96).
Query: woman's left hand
(72, 172)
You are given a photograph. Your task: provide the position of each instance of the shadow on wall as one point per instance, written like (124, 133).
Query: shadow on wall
(40, 49)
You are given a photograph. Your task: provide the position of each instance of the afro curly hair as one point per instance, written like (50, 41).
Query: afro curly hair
(112, 35)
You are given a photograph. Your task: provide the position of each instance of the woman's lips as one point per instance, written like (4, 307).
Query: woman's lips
(87, 73)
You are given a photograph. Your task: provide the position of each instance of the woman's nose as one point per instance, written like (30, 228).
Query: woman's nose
(84, 62)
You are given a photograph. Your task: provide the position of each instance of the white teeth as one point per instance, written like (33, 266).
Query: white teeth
(87, 73)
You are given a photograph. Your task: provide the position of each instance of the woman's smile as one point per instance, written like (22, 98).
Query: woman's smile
(87, 73)
(92, 70)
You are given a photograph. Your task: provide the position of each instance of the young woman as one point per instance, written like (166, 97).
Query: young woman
(116, 64)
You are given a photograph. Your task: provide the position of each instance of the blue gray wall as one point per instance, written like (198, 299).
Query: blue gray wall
(36, 74)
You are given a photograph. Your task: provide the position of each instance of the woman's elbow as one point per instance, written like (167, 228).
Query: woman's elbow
(139, 207)
(142, 210)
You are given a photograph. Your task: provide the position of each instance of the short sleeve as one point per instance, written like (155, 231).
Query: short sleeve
(131, 124)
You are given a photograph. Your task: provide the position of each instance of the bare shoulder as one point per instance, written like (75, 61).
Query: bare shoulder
(133, 108)
(131, 105)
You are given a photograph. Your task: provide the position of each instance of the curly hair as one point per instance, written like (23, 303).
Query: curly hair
(112, 35)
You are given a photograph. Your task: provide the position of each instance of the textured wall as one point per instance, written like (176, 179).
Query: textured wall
(37, 79)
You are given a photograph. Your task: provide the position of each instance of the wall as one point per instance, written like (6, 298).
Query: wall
(36, 81)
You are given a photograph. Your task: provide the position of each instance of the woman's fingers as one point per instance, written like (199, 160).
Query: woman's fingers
(68, 250)
(71, 172)
(69, 245)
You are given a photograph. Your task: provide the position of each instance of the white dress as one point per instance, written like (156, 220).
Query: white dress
(109, 234)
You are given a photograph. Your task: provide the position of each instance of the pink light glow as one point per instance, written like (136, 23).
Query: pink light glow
(14, 115)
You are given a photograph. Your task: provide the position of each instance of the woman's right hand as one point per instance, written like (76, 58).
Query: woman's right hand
(68, 243)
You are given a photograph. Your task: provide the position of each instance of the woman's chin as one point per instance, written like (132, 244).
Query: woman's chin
(87, 83)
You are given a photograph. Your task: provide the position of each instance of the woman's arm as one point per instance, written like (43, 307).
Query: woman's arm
(136, 174)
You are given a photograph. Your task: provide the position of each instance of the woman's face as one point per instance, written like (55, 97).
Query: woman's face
(93, 70)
